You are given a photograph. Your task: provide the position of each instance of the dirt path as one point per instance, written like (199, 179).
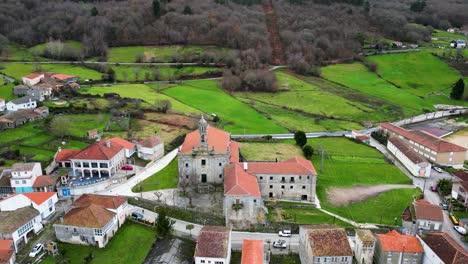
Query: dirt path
(273, 33)
(345, 196)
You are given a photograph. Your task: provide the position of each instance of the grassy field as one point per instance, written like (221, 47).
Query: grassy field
(140, 91)
(303, 216)
(18, 70)
(236, 116)
(80, 124)
(146, 73)
(153, 53)
(130, 244)
(39, 49)
(6, 91)
(418, 72)
(253, 151)
(18, 53)
(165, 179)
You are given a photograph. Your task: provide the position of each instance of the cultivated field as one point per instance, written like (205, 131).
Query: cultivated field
(255, 151)
(18, 70)
(154, 53)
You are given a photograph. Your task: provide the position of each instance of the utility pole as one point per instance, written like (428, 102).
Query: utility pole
(322, 152)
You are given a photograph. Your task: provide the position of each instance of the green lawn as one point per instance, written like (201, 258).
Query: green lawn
(80, 124)
(6, 91)
(146, 73)
(143, 92)
(419, 72)
(18, 70)
(167, 178)
(255, 151)
(152, 53)
(71, 44)
(237, 117)
(130, 244)
(19, 53)
(303, 216)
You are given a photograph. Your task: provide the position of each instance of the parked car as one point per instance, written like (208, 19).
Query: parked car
(279, 244)
(284, 233)
(107, 85)
(127, 167)
(36, 250)
(434, 188)
(444, 205)
(460, 230)
(454, 219)
(136, 216)
(439, 170)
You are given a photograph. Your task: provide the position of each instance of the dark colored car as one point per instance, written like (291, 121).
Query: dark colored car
(127, 167)
(136, 215)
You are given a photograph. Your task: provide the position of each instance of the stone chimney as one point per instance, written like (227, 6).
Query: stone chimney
(246, 166)
(108, 143)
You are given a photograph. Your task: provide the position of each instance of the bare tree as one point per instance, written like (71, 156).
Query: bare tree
(158, 195)
(60, 126)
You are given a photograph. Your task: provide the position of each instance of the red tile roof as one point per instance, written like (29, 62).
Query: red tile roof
(328, 241)
(394, 242)
(107, 201)
(39, 197)
(407, 151)
(151, 141)
(212, 242)
(62, 77)
(447, 249)
(218, 140)
(462, 175)
(252, 252)
(66, 154)
(234, 151)
(427, 211)
(91, 216)
(120, 141)
(293, 166)
(33, 75)
(237, 182)
(45, 180)
(6, 250)
(425, 139)
(99, 151)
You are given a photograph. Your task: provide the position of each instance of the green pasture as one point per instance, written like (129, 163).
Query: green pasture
(18, 70)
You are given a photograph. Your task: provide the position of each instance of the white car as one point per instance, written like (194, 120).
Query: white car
(279, 244)
(439, 170)
(284, 233)
(460, 230)
(36, 250)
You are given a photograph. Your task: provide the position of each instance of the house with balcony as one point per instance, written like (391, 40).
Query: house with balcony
(324, 244)
(23, 175)
(213, 245)
(43, 202)
(422, 216)
(20, 225)
(93, 220)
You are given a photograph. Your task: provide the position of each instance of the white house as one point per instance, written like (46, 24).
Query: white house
(150, 148)
(44, 202)
(23, 176)
(93, 220)
(440, 248)
(17, 225)
(32, 79)
(2, 104)
(7, 251)
(414, 162)
(422, 216)
(26, 102)
(213, 245)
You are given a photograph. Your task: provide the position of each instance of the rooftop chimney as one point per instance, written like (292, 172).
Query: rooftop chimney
(246, 166)
(59, 149)
(108, 143)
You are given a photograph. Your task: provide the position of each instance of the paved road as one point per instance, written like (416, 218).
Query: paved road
(123, 63)
(8, 79)
(290, 136)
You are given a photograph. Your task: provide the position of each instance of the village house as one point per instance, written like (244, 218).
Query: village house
(40, 92)
(422, 216)
(23, 175)
(43, 202)
(2, 105)
(46, 183)
(358, 135)
(26, 102)
(364, 246)
(92, 134)
(243, 205)
(394, 248)
(7, 251)
(20, 90)
(324, 244)
(64, 78)
(204, 154)
(416, 164)
(253, 252)
(5, 185)
(150, 148)
(21, 117)
(460, 187)
(213, 245)
(19, 225)
(93, 220)
(440, 248)
(32, 79)
(435, 149)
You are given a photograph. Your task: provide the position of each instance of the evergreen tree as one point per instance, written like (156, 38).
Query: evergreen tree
(458, 90)
(164, 223)
(156, 8)
(94, 11)
(300, 138)
(187, 10)
(308, 151)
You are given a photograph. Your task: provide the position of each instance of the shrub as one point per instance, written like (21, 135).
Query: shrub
(300, 138)
(308, 151)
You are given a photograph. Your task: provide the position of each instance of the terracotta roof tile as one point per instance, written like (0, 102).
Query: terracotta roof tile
(107, 201)
(428, 211)
(151, 141)
(126, 144)
(407, 151)
(461, 175)
(291, 166)
(237, 182)
(99, 151)
(234, 147)
(66, 154)
(91, 216)
(425, 139)
(6, 250)
(62, 77)
(213, 242)
(45, 180)
(447, 249)
(218, 140)
(329, 241)
(395, 242)
(252, 252)
(18, 167)
(39, 197)
(33, 75)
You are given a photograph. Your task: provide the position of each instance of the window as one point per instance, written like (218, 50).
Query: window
(98, 232)
(292, 179)
(186, 165)
(283, 179)
(23, 181)
(102, 165)
(186, 176)
(300, 177)
(17, 182)
(282, 186)
(219, 262)
(255, 200)
(202, 261)
(203, 162)
(220, 164)
(291, 187)
(303, 187)
(318, 260)
(308, 177)
(86, 164)
(271, 178)
(220, 176)
(77, 164)
(261, 177)
(271, 186)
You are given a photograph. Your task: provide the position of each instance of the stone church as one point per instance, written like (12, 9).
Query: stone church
(208, 157)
